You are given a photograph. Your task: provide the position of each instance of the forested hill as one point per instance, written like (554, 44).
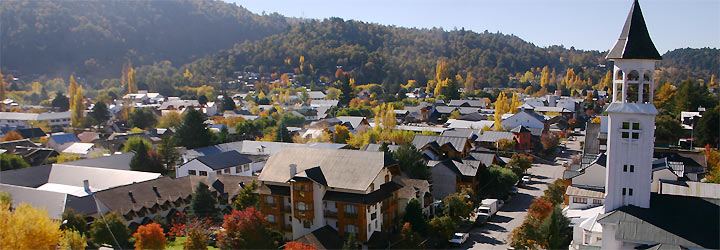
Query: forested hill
(93, 38)
(681, 64)
(375, 53)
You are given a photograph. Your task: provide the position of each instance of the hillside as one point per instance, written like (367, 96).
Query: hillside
(680, 64)
(94, 38)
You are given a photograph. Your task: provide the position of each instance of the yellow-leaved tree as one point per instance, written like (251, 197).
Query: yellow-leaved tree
(78, 108)
(27, 227)
(72, 88)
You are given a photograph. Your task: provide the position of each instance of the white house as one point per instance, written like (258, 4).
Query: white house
(56, 120)
(60, 142)
(83, 149)
(526, 118)
(227, 163)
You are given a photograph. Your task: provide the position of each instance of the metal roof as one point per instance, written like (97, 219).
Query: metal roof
(493, 136)
(458, 143)
(224, 160)
(634, 41)
(64, 138)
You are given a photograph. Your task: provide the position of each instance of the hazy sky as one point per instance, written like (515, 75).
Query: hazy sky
(585, 24)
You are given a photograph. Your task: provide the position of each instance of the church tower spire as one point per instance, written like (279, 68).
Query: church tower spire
(631, 116)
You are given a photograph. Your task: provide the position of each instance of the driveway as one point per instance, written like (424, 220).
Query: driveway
(494, 234)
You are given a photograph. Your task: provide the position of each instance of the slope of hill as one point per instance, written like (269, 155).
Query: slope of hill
(681, 64)
(94, 38)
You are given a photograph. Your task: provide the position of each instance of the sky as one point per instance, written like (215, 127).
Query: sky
(583, 24)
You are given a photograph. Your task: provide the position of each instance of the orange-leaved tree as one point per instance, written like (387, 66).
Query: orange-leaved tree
(149, 236)
(247, 229)
(12, 136)
(294, 245)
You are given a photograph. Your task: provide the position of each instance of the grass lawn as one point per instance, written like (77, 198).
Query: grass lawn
(177, 244)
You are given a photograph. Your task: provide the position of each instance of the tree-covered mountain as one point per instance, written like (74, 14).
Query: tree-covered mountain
(94, 38)
(688, 63)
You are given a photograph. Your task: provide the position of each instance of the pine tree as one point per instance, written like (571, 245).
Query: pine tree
(282, 134)
(203, 203)
(193, 132)
(167, 151)
(139, 161)
(100, 113)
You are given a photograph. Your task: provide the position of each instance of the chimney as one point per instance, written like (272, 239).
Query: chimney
(132, 198)
(293, 170)
(86, 185)
(155, 189)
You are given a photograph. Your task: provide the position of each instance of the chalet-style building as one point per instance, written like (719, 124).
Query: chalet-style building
(435, 147)
(352, 191)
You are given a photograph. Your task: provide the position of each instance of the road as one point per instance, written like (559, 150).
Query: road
(494, 234)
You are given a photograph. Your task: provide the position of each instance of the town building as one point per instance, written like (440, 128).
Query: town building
(55, 120)
(226, 163)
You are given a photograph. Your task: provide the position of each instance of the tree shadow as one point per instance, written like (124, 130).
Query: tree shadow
(519, 203)
(500, 219)
(479, 239)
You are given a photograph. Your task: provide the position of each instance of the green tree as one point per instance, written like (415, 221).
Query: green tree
(499, 181)
(142, 118)
(410, 161)
(134, 143)
(227, 103)
(555, 193)
(667, 129)
(350, 242)
(100, 113)
(706, 131)
(203, 203)
(457, 206)
(73, 240)
(519, 163)
(282, 134)
(9, 161)
(168, 153)
(247, 197)
(140, 160)
(443, 228)
(414, 216)
(100, 234)
(193, 133)
(690, 96)
(61, 102)
(555, 230)
(73, 221)
(5, 198)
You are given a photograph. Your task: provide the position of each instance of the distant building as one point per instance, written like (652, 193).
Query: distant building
(56, 120)
(226, 163)
(60, 142)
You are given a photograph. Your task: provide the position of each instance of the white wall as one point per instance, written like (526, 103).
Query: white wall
(193, 165)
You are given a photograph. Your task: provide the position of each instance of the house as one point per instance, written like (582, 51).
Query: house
(32, 153)
(139, 203)
(60, 142)
(477, 125)
(83, 149)
(52, 202)
(69, 178)
(88, 136)
(435, 147)
(526, 118)
(482, 103)
(352, 191)
(316, 95)
(55, 120)
(226, 163)
(489, 139)
(31, 133)
(586, 182)
(522, 136)
(452, 176)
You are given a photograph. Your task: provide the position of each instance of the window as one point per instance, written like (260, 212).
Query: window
(373, 216)
(226, 171)
(630, 191)
(350, 229)
(624, 168)
(623, 191)
(237, 170)
(633, 76)
(350, 209)
(192, 172)
(306, 224)
(246, 167)
(627, 130)
(271, 218)
(270, 200)
(301, 206)
(597, 201)
(217, 172)
(203, 173)
(580, 200)
(632, 168)
(372, 187)
(369, 227)
(625, 125)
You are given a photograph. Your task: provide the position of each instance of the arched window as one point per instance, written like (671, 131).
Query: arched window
(633, 76)
(647, 76)
(618, 75)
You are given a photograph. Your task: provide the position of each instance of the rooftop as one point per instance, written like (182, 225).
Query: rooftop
(634, 41)
(224, 160)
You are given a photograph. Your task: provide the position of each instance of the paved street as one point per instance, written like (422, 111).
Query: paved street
(494, 234)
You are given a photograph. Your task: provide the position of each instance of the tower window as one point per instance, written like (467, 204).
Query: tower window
(623, 191)
(632, 170)
(630, 130)
(624, 168)
(630, 192)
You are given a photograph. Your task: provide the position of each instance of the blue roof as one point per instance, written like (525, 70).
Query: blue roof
(64, 138)
(224, 160)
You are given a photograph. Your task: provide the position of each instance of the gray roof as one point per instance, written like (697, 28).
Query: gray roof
(115, 161)
(52, 202)
(348, 169)
(493, 136)
(316, 94)
(485, 158)
(375, 147)
(463, 167)
(456, 142)
(255, 147)
(27, 177)
(224, 160)
(520, 129)
(176, 104)
(671, 219)
(467, 103)
(634, 41)
(323, 238)
(461, 132)
(355, 121)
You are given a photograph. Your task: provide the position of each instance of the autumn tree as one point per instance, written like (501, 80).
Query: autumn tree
(27, 227)
(72, 89)
(539, 209)
(247, 229)
(342, 134)
(170, 119)
(545, 77)
(520, 163)
(457, 206)
(73, 240)
(295, 245)
(12, 136)
(470, 83)
(196, 239)
(149, 236)
(3, 92)
(247, 197)
(555, 193)
(410, 238)
(549, 142)
(414, 216)
(134, 143)
(443, 228)
(78, 108)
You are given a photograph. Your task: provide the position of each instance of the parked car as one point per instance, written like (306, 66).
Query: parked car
(459, 238)
(526, 179)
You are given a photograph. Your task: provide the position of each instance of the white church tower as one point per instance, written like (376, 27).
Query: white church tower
(631, 116)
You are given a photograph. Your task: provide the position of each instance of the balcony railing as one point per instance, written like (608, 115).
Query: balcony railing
(330, 214)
